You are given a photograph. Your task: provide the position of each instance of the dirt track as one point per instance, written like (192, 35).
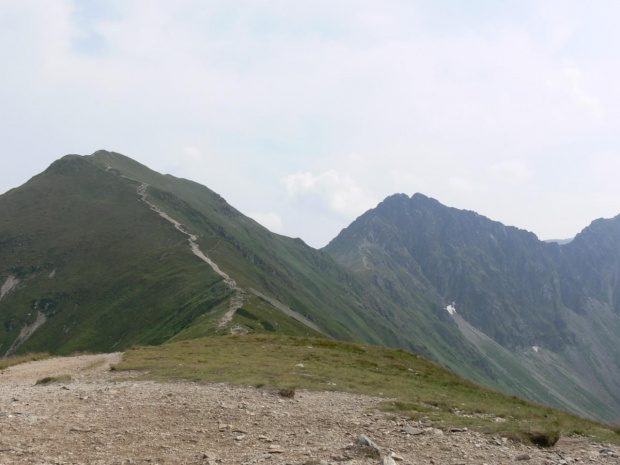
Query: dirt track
(96, 419)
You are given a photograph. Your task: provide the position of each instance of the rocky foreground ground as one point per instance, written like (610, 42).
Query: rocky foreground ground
(98, 419)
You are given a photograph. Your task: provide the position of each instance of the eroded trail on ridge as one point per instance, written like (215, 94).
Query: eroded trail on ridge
(99, 419)
(236, 302)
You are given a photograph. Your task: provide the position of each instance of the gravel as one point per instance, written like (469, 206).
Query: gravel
(99, 419)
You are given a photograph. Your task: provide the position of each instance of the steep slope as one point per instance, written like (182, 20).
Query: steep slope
(91, 262)
(537, 311)
(301, 278)
(284, 272)
(594, 256)
(92, 266)
(99, 252)
(502, 279)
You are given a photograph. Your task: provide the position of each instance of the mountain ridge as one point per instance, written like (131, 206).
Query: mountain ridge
(284, 268)
(101, 253)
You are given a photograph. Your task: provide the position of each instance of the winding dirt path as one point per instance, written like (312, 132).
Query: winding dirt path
(236, 302)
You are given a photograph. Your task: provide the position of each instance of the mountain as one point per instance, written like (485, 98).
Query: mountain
(100, 253)
(546, 316)
(559, 241)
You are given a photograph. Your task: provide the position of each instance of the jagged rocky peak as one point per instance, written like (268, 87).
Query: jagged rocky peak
(403, 201)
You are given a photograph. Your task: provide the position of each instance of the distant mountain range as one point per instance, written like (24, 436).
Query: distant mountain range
(559, 241)
(99, 252)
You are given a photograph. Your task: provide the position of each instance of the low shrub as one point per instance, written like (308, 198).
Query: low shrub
(60, 379)
(545, 439)
(287, 393)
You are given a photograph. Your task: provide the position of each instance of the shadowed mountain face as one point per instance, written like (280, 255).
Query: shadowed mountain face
(99, 252)
(502, 279)
(547, 307)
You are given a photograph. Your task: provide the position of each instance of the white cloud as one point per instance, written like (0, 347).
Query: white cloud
(510, 170)
(270, 220)
(566, 89)
(463, 186)
(193, 153)
(331, 192)
(574, 78)
(603, 172)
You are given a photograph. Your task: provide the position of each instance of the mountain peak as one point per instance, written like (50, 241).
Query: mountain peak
(68, 165)
(391, 202)
(404, 201)
(423, 200)
(419, 196)
(416, 200)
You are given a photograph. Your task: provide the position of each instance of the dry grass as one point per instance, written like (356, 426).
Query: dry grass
(19, 359)
(60, 379)
(93, 365)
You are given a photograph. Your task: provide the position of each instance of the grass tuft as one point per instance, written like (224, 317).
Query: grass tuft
(287, 393)
(546, 439)
(60, 379)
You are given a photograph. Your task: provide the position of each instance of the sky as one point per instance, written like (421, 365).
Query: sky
(305, 114)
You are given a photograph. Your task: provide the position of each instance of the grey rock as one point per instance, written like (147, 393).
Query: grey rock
(364, 440)
(411, 430)
(261, 458)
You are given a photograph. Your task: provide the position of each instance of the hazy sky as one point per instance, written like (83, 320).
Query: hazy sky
(304, 114)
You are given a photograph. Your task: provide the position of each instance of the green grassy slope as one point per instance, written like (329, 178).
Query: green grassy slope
(543, 376)
(306, 280)
(104, 270)
(287, 269)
